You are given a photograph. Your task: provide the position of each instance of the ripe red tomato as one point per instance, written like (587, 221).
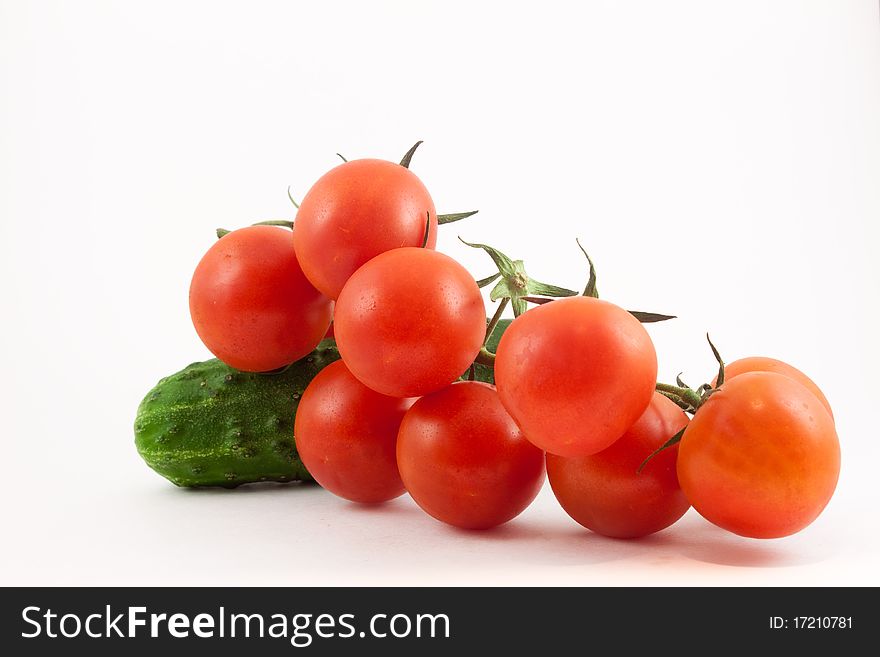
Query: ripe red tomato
(464, 460)
(251, 304)
(764, 364)
(761, 456)
(355, 212)
(575, 374)
(606, 493)
(409, 322)
(346, 436)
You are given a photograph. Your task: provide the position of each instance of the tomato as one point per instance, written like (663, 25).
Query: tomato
(764, 364)
(409, 322)
(606, 493)
(464, 460)
(346, 436)
(761, 456)
(252, 305)
(575, 374)
(355, 212)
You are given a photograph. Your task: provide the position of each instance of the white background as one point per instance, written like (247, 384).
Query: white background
(720, 160)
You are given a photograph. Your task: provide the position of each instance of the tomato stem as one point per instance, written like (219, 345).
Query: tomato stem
(270, 222)
(292, 200)
(678, 401)
(490, 327)
(691, 397)
(688, 399)
(275, 222)
(485, 357)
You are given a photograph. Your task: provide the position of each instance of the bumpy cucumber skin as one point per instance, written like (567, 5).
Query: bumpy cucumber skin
(211, 425)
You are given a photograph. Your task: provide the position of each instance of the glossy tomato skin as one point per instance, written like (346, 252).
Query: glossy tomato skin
(409, 322)
(761, 456)
(252, 305)
(764, 364)
(575, 374)
(605, 492)
(355, 212)
(346, 436)
(464, 460)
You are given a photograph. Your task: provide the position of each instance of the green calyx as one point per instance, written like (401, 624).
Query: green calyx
(408, 156)
(688, 399)
(515, 285)
(449, 218)
(405, 161)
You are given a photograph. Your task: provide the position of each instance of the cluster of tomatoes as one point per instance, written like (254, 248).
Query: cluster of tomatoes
(575, 393)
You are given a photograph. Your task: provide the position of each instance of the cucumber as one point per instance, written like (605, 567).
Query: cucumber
(211, 425)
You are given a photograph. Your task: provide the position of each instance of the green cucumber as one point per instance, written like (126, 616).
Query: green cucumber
(211, 425)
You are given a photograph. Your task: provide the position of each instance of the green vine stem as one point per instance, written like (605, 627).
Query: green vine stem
(490, 327)
(485, 357)
(691, 397)
(283, 223)
(688, 399)
(515, 287)
(292, 200)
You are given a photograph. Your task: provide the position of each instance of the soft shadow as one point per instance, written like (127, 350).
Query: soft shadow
(544, 542)
(273, 487)
(692, 538)
(713, 545)
(396, 507)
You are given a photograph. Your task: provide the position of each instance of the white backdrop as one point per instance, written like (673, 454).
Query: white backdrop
(720, 160)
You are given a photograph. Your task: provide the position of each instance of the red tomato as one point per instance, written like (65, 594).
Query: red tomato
(251, 304)
(464, 460)
(764, 364)
(346, 436)
(355, 212)
(575, 374)
(409, 322)
(606, 493)
(761, 457)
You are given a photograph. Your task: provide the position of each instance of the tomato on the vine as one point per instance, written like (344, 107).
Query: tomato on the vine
(346, 436)
(464, 460)
(605, 492)
(575, 373)
(764, 364)
(356, 211)
(409, 322)
(761, 456)
(252, 305)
